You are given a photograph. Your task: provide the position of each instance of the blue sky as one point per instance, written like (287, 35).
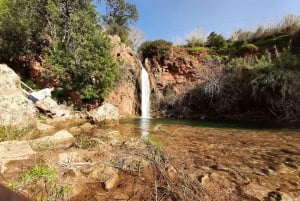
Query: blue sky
(174, 19)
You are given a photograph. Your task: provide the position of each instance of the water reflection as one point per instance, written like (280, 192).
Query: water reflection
(144, 126)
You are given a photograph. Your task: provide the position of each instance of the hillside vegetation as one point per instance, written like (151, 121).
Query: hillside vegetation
(254, 76)
(66, 42)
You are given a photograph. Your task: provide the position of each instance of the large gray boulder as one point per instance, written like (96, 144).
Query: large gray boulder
(16, 111)
(106, 114)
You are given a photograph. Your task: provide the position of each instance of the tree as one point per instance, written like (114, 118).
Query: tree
(195, 38)
(160, 49)
(21, 25)
(120, 15)
(79, 54)
(136, 37)
(215, 40)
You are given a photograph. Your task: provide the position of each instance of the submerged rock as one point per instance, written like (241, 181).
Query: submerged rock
(16, 110)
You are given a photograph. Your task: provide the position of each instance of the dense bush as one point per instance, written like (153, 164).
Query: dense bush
(215, 40)
(160, 49)
(295, 45)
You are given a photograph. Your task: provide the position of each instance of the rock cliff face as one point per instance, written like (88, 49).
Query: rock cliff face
(125, 94)
(181, 70)
(16, 110)
(174, 76)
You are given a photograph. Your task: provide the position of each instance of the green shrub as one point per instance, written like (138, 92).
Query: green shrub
(160, 49)
(295, 45)
(248, 47)
(215, 40)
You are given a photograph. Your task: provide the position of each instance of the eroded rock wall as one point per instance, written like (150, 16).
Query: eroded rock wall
(125, 94)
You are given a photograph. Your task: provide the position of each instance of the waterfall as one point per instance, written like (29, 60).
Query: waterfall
(145, 105)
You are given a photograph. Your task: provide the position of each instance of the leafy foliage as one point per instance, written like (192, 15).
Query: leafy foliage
(160, 49)
(215, 40)
(68, 35)
(120, 15)
(80, 51)
(21, 25)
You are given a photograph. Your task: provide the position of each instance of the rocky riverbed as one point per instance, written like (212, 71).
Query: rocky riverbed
(177, 162)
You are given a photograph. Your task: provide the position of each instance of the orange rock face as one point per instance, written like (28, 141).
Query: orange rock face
(179, 71)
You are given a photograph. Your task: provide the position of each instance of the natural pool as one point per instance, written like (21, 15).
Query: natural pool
(231, 161)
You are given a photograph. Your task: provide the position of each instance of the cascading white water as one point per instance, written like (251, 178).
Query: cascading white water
(145, 105)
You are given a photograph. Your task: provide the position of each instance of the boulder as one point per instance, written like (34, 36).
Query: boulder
(106, 114)
(14, 151)
(51, 108)
(61, 139)
(111, 182)
(16, 110)
(107, 175)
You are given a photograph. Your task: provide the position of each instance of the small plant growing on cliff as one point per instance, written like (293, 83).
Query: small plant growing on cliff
(161, 49)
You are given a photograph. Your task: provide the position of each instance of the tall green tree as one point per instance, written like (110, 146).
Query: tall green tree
(119, 16)
(80, 51)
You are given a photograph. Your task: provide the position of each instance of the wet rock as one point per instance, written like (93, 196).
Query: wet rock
(106, 114)
(61, 139)
(16, 110)
(66, 121)
(85, 128)
(14, 151)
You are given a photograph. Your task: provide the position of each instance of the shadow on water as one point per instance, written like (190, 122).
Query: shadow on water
(145, 124)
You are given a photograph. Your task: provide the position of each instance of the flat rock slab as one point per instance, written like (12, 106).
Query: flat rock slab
(61, 139)
(14, 150)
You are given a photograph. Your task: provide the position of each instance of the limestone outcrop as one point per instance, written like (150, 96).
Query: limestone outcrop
(16, 110)
(106, 114)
